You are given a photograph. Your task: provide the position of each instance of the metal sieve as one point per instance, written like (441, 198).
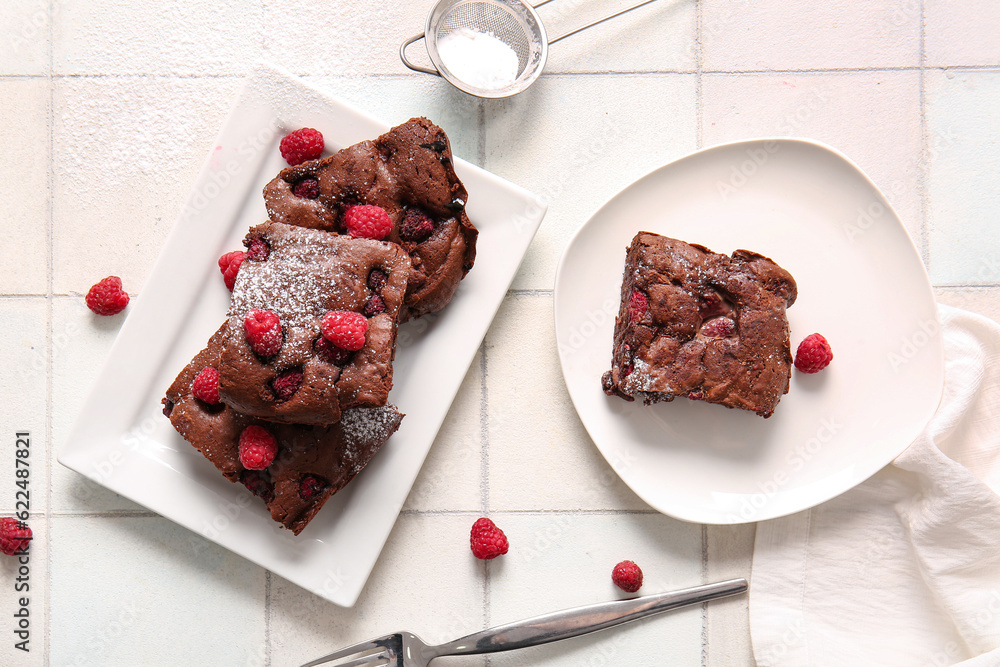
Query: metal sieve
(513, 22)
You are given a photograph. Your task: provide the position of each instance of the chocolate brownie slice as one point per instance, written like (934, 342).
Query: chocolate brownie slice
(300, 275)
(703, 325)
(313, 462)
(408, 171)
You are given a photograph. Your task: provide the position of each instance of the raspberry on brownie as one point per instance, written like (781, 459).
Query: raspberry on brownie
(276, 361)
(310, 464)
(703, 325)
(408, 172)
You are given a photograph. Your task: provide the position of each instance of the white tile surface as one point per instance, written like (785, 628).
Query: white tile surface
(153, 594)
(544, 141)
(138, 93)
(24, 185)
(339, 39)
(562, 560)
(800, 34)
(729, 550)
(185, 37)
(23, 406)
(426, 582)
(963, 236)
(540, 456)
(25, 38)
(656, 38)
(125, 153)
(961, 32)
(825, 107)
(451, 477)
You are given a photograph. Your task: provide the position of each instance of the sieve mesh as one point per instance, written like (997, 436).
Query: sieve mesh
(511, 21)
(489, 17)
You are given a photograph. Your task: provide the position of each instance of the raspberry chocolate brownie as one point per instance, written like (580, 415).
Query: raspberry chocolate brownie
(312, 325)
(294, 469)
(703, 325)
(408, 173)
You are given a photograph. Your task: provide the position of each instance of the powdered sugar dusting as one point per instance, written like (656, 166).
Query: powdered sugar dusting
(292, 283)
(364, 425)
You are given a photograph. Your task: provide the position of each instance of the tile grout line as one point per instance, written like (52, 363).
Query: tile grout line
(610, 73)
(922, 175)
(699, 62)
(484, 437)
(484, 467)
(49, 290)
(267, 618)
(704, 605)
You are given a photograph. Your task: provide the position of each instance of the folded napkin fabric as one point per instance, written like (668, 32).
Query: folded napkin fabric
(905, 568)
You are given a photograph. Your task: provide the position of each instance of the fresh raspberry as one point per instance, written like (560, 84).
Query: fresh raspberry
(487, 540)
(330, 353)
(206, 386)
(719, 327)
(813, 355)
(310, 487)
(257, 249)
(377, 280)
(229, 264)
(416, 226)
(307, 188)
(374, 306)
(258, 484)
(15, 536)
(345, 329)
(258, 447)
(286, 384)
(627, 576)
(263, 329)
(637, 305)
(365, 221)
(301, 145)
(107, 297)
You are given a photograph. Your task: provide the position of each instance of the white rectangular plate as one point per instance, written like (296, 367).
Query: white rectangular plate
(128, 446)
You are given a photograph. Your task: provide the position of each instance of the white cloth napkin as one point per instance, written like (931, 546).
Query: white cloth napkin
(905, 568)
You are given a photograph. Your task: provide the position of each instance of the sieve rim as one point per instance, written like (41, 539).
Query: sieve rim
(441, 7)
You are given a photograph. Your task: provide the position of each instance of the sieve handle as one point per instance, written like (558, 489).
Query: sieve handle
(413, 66)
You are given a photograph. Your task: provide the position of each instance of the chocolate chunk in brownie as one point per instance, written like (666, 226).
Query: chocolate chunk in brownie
(408, 171)
(703, 325)
(312, 463)
(300, 275)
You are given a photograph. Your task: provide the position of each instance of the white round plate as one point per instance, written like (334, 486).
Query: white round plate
(861, 284)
